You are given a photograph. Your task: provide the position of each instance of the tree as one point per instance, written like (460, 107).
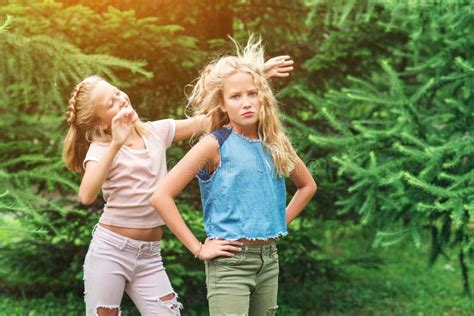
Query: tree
(401, 134)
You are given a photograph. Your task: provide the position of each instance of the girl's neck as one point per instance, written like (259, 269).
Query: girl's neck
(135, 140)
(247, 131)
(134, 133)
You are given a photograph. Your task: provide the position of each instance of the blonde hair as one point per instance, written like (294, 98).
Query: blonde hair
(207, 96)
(83, 125)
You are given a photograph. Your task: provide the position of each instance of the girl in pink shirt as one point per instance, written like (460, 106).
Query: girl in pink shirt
(116, 152)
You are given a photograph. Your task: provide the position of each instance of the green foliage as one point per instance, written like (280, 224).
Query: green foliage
(47, 228)
(39, 70)
(401, 134)
(167, 53)
(6, 24)
(402, 286)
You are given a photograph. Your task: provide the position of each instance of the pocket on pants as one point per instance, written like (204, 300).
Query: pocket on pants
(229, 261)
(103, 247)
(274, 254)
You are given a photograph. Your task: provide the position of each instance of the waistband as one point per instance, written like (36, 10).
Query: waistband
(264, 249)
(122, 241)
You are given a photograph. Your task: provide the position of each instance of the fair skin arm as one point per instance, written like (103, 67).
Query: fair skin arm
(96, 172)
(185, 129)
(205, 153)
(94, 175)
(306, 188)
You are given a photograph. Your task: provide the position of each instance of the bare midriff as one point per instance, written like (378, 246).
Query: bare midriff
(144, 234)
(251, 242)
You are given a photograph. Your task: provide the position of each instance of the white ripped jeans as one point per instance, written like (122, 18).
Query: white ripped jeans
(115, 264)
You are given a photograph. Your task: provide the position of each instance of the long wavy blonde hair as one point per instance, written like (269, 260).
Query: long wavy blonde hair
(83, 125)
(207, 97)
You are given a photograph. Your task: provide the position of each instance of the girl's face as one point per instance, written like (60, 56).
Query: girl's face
(108, 101)
(241, 102)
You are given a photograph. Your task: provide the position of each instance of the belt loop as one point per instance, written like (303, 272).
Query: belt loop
(124, 243)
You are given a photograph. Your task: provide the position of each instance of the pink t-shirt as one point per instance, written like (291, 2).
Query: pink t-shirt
(134, 176)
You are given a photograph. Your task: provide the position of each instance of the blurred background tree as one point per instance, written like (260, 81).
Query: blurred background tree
(397, 124)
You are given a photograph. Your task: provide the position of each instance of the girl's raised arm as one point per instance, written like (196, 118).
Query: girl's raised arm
(203, 155)
(96, 171)
(306, 185)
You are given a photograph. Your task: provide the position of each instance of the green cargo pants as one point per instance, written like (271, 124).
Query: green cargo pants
(245, 284)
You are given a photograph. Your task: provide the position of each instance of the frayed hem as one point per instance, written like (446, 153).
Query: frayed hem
(250, 140)
(172, 304)
(277, 237)
(108, 307)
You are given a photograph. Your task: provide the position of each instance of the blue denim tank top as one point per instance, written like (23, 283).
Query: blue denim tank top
(244, 197)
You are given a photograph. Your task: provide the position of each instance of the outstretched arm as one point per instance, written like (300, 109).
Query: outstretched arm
(202, 155)
(306, 185)
(186, 128)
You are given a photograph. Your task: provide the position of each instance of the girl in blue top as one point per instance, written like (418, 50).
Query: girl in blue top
(241, 167)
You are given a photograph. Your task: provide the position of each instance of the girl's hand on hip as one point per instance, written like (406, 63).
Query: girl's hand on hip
(279, 66)
(213, 248)
(122, 124)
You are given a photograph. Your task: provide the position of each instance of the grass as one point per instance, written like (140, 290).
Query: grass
(403, 285)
